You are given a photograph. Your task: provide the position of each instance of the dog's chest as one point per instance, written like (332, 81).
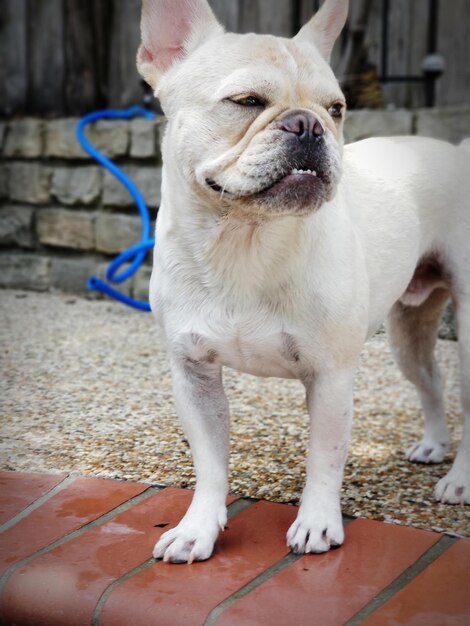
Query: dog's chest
(254, 344)
(233, 302)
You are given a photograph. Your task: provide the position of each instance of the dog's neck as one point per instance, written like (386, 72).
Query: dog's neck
(231, 253)
(253, 256)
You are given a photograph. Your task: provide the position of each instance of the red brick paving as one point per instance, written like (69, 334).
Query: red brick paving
(83, 501)
(439, 595)
(19, 489)
(254, 541)
(69, 585)
(70, 579)
(333, 587)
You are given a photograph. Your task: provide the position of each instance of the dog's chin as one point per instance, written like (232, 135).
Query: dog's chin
(297, 193)
(294, 193)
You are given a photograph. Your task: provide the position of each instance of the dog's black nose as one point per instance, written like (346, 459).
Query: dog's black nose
(302, 123)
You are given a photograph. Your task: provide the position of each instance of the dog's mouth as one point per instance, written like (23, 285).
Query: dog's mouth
(297, 180)
(299, 186)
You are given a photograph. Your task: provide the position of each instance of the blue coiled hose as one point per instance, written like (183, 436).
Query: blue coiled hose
(135, 255)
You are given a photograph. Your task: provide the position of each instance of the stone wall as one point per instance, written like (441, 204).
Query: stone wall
(62, 217)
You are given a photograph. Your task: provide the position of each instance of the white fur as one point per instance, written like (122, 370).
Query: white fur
(289, 291)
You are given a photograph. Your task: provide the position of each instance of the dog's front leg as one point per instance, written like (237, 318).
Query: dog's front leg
(203, 410)
(319, 524)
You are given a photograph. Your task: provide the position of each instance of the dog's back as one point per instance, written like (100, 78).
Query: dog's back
(415, 191)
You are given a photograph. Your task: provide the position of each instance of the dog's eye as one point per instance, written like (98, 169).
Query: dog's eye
(248, 101)
(336, 110)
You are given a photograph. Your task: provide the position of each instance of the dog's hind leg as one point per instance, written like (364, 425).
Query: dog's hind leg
(413, 333)
(454, 488)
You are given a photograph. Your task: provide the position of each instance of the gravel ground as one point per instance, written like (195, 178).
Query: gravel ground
(85, 388)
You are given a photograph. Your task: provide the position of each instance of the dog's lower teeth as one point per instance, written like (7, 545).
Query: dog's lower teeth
(311, 172)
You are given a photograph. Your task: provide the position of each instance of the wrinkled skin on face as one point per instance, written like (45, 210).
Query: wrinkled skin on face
(268, 139)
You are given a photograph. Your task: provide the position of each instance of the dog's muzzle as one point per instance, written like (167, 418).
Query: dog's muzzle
(301, 174)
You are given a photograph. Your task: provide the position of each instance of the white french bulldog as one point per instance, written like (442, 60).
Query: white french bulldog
(278, 253)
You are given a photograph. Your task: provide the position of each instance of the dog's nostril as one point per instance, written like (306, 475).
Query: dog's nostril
(295, 124)
(318, 129)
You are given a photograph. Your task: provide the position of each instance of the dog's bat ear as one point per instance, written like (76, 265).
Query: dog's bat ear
(325, 26)
(170, 30)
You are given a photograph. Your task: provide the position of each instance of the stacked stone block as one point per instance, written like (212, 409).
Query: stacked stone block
(63, 217)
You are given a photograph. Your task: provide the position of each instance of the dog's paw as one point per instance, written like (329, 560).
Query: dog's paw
(180, 545)
(454, 488)
(315, 532)
(427, 451)
(192, 540)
